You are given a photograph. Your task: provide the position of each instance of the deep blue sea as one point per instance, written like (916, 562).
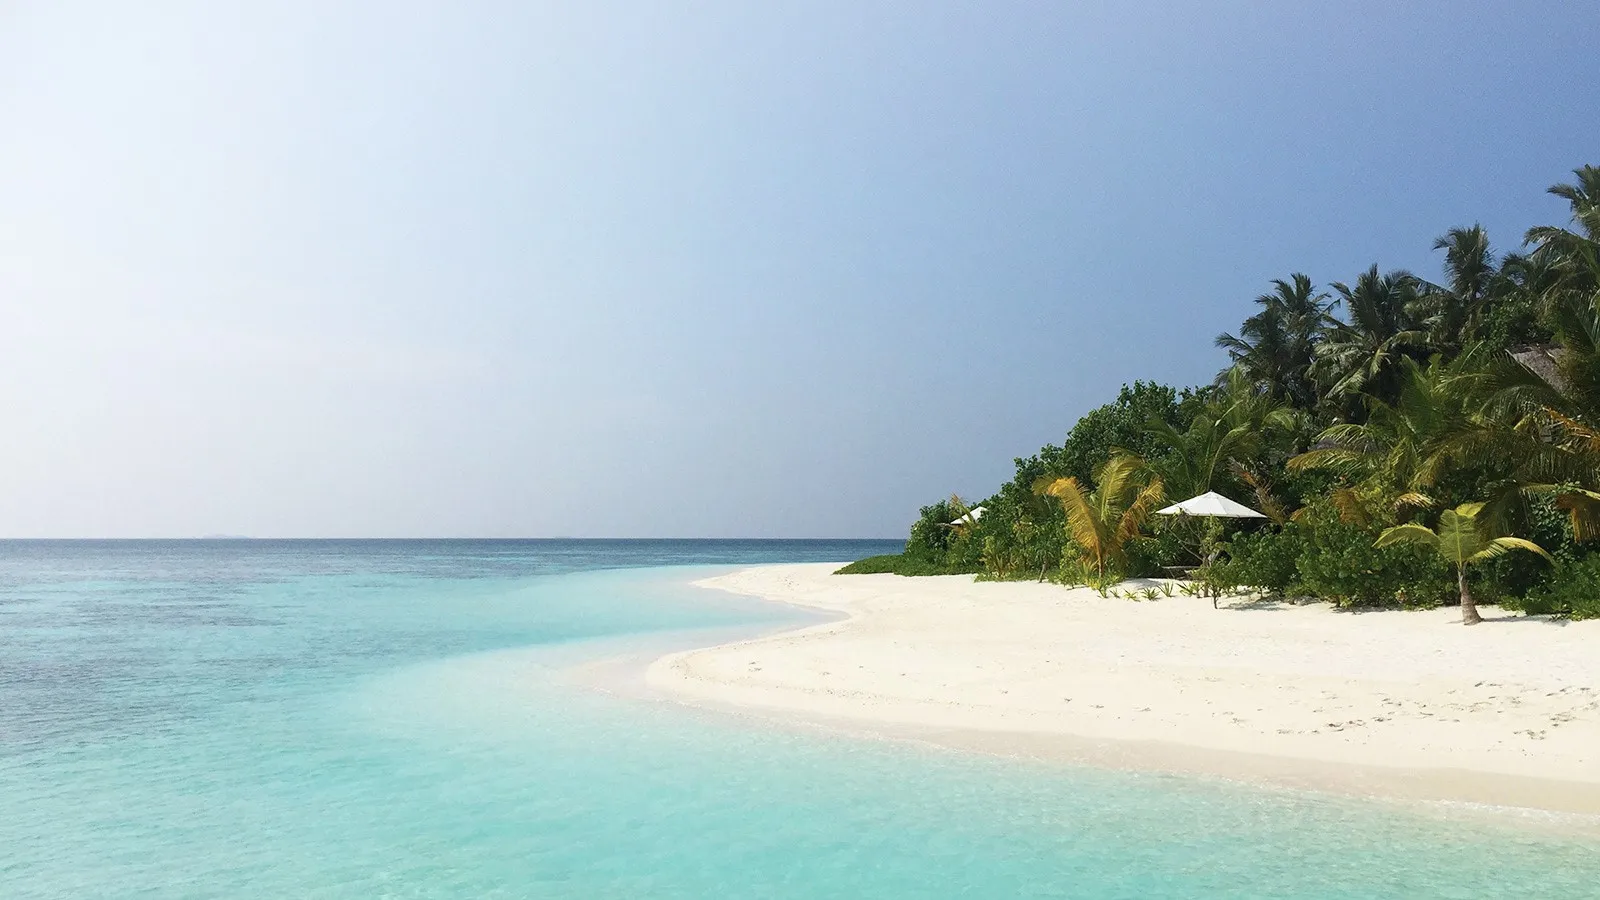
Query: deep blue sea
(369, 719)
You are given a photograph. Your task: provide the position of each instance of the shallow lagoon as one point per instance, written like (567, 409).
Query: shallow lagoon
(397, 719)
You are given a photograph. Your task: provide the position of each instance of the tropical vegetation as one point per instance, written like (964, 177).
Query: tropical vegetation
(1400, 435)
(1102, 520)
(1460, 541)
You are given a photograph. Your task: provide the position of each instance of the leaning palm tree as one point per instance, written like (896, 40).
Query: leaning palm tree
(1102, 521)
(1462, 541)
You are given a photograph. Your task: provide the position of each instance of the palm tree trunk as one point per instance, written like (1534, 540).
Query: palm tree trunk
(1469, 609)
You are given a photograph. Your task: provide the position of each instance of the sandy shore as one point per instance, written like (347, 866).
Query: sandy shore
(1404, 704)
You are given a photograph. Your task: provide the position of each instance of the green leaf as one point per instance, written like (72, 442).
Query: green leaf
(1503, 545)
(1411, 533)
(1459, 539)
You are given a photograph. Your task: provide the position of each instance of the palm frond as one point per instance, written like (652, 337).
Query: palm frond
(1146, 502)
(1583, 508)
(1414, 500)
(1410, 533)
(1503, 545)
(1351, 509)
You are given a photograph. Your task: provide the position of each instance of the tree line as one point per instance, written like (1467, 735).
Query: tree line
(1385, 426)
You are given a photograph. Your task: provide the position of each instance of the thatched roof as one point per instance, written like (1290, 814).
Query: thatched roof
(1541, 360)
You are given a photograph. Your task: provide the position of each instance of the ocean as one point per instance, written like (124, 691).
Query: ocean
(412, 719)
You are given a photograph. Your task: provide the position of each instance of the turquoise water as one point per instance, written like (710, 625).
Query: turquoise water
(396, 719)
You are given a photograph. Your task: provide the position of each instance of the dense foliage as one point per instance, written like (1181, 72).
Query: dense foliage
(893, 564)
(1386, 426)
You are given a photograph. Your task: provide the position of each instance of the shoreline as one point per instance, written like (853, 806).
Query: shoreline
(1297, 697)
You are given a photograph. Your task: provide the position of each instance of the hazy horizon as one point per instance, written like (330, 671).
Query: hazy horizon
(500, 270)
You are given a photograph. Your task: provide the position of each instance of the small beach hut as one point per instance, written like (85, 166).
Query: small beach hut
(1211, 505)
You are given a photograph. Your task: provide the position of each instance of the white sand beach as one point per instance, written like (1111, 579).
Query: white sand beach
(1404, 704)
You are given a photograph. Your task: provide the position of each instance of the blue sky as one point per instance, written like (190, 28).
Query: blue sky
(726, 269)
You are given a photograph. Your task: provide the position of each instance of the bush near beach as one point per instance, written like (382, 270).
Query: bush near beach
(1345, 413)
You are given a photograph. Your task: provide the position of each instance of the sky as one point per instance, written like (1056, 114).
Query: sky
(707, 269)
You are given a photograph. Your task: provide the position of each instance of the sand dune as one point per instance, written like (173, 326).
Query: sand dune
(1405, 703)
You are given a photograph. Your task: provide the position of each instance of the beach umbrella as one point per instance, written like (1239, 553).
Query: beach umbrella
(973, 515)
(1211, 505)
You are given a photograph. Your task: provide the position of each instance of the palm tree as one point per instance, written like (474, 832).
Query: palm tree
(1469, 262)
(1551, 419)
(1584, 198)
(1462, 541)
(1574, 254)
(1521, 288)
(1406, 445)
(1276, 346)
(1548, 420)
(1456, 312)
(1360, 355)
(1234, 426)
(1102, 521)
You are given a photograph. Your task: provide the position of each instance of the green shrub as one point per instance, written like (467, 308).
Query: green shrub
(899, 564)
(1339, 563)
(1019, 543)
(965, 553)
(874, 565)
(1071, 571)
(936, 548)
(930, 535)
(1148, 556)
(1573, 590)
(1535, 603)
(1267, 560)
(1015, 560)
(1506, 579)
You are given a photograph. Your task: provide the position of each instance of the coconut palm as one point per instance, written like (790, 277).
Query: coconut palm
(1102, 521)
(1584, 198)
(1574, 254)
(1543, 412)
(1456, 313)
(1514, 318)
(1404, 446)
(1276, 346)
(1548, 407)
(1361, 354)
(1235, 425)
(1469, 263)
(1462, 541)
